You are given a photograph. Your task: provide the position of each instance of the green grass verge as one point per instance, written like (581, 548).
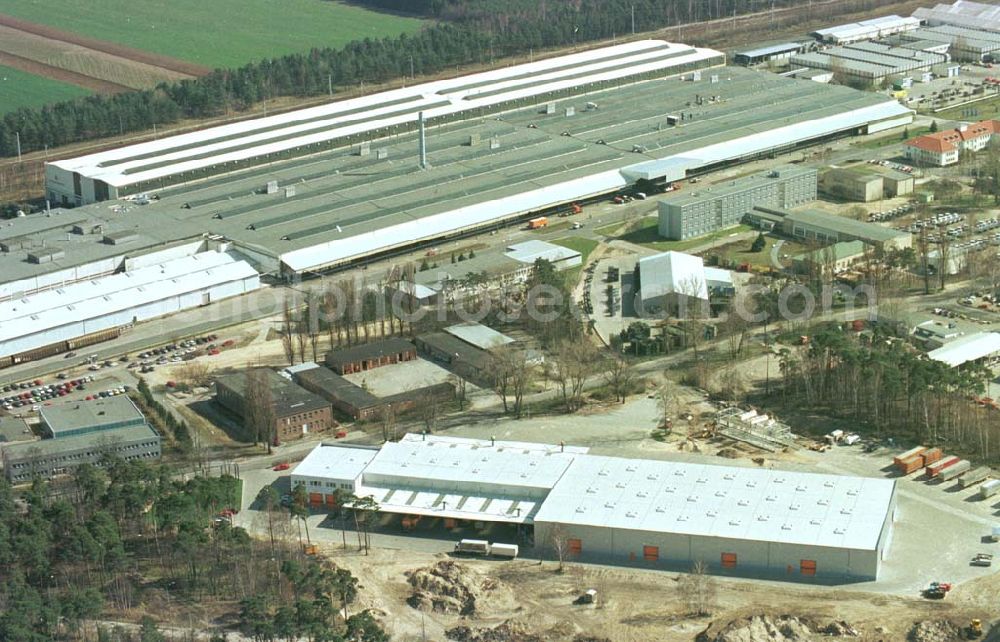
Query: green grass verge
(980, 110)
(582, 245)
(20, 89)
(648, 235)
(217, 33)
(893, 139)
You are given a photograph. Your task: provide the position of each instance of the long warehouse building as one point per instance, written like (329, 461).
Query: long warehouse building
(661, 514)
(67, 317)
(573, 133)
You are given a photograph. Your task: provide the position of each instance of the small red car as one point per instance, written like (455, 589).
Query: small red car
(282, 466)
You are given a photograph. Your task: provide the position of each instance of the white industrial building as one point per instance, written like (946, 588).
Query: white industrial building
(178, 159)
(866, 29)
(961, 13)
(660, 514)
(49, 321)
(979, 347)
(670, 280)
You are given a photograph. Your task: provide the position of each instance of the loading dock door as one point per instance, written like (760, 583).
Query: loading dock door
(575, 546)
(729, 560)
(650, 553)
(807, 567)
(315, 498)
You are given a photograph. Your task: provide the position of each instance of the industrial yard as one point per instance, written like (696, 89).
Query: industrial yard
(642, 340)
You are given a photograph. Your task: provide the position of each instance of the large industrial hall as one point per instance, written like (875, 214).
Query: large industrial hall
(572, 133)
(661, 514)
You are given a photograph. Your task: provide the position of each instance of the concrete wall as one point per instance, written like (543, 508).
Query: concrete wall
(753, 557)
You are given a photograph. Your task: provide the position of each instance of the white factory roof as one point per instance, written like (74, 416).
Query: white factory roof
(962, 13)
(479, 335)
(868, 28)
(721, 501)
(530, 251)
(117, 293)
(335, 461)
(672, 272)
(968, 348)
(718, 277)
(672, 167)
(464, 478)
(522, 482)
(274, 134)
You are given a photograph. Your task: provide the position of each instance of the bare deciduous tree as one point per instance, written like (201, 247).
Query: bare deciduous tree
(559, 542)
(620, 377)
(514, 374)
(698, 589)
(287, 330)
(258, 410)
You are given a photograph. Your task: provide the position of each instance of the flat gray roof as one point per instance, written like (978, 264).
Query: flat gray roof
(727, 187)
(342, 196)
(114, 411)
(14, 429)
(860, 229)
(50, 447)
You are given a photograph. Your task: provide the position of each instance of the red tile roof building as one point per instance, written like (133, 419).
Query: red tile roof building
(943, 148)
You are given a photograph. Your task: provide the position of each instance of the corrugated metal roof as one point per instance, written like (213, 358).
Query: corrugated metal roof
(229, 143)
(192, 277)
(721, 501)
(672, 272)
(770, 50)
(530, 251)
(962, 12)
(335, 461)
(479, 335)
(967, 348)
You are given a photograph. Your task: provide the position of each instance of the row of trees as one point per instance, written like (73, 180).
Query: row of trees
(905, 394)
(465, 32)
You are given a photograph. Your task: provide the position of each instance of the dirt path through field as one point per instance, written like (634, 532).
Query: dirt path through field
(57, 73)
(157, 60)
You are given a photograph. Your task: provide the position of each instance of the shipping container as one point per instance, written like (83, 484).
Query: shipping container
(931, 456)
(504, 550)
(537, 223)
(937, 467)
(910, 465)
(975, 476)
(989, 489)
(956, 469)
(908, 454)
(475, 546)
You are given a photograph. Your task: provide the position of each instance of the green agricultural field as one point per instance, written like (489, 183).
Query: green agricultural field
(20, 89)
(214, 33)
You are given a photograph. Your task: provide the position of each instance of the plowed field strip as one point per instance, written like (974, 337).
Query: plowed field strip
(64, 75)
(166, 62)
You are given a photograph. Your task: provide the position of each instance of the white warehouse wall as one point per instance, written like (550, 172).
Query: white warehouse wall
(60, 277)
(754, 557)
(152, 310)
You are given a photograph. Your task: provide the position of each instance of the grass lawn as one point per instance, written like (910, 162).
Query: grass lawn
(20, 89)
(979, 110)
(893, 139)
(216, 33)
(648, 235)
(739, 253)
(582, 245)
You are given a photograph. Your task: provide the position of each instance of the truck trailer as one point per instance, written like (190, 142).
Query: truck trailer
(989, 489)
(508, 551)
(538, 223)
(473, 547)
(955, 470)
(973, 477)
(934, 469)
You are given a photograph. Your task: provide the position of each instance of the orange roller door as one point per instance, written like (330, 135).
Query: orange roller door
(315, 498)
(807, 567)
(650, 553)
(729, 560)
(575, 546)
